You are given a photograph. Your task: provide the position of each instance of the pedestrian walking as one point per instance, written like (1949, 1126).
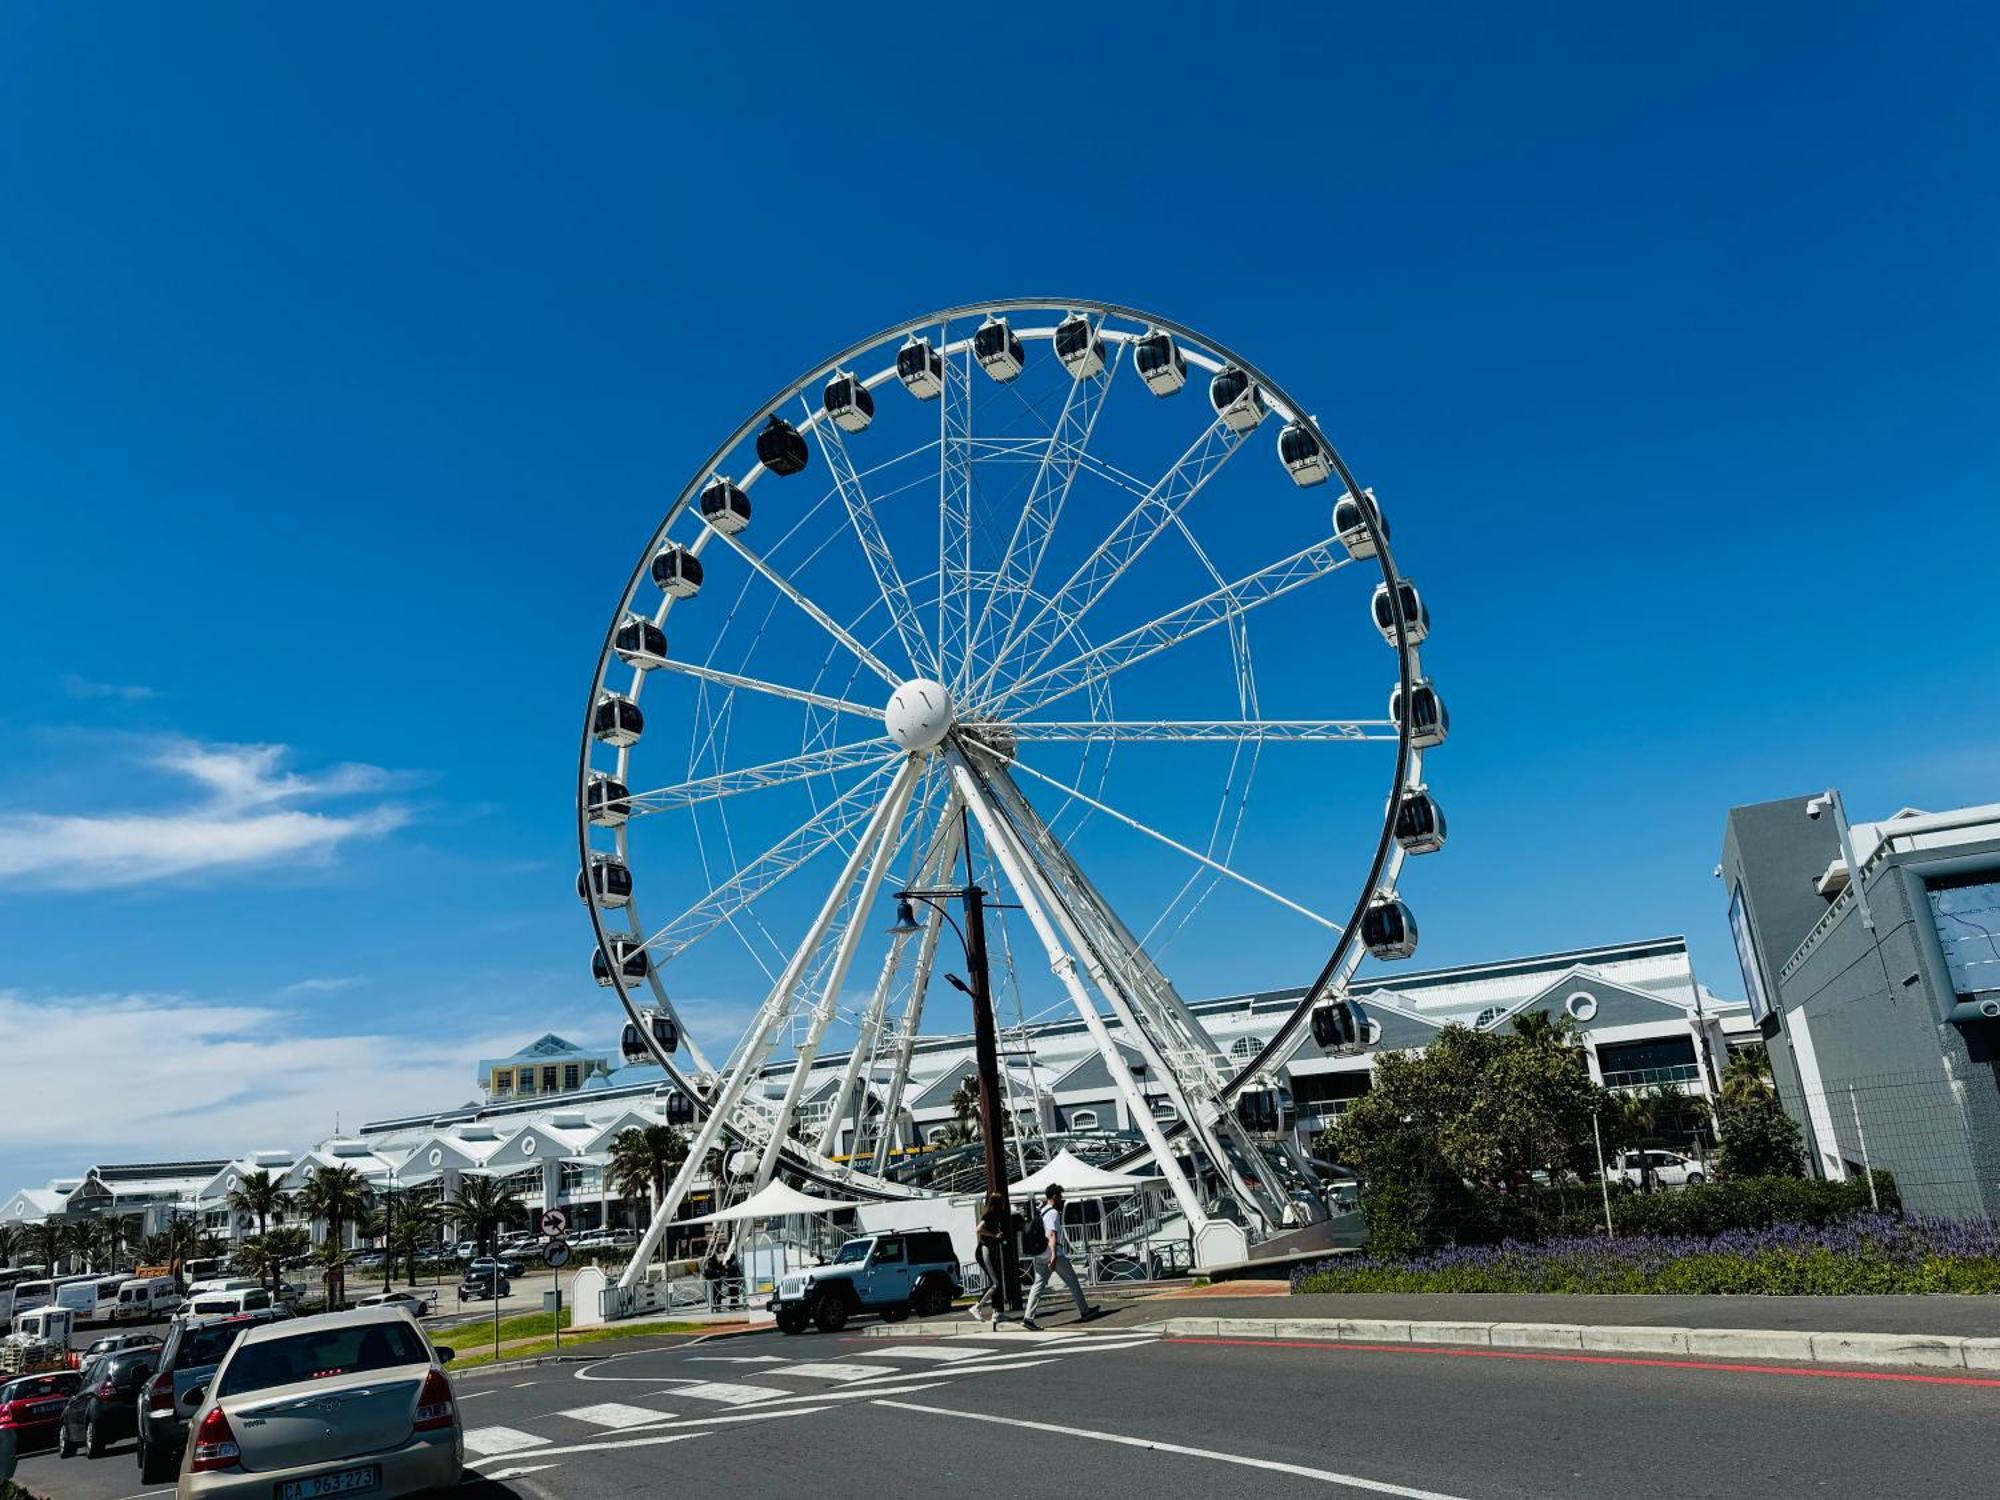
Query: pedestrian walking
(1053, 1260)
(991, 1246)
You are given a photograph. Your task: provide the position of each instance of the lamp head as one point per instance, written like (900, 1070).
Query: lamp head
(906, 920)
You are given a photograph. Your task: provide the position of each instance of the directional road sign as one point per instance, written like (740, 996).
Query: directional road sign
(556, 1253)
(554, 1222)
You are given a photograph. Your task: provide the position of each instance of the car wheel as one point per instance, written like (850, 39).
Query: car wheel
(93, 1438)
(830, 1313)
(64, 1447)
(933, 1296)
(151, 1470)
(1695, 1179)
(792, 1320)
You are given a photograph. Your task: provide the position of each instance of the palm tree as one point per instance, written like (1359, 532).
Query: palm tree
(51, 1241)
(1540, 1026)
(335, 1196)
(414, 1216)
(1746, 1077)
(265, 1255)
(258, 1194)
(643, 1160)
(12, 1242)
(483, 1204)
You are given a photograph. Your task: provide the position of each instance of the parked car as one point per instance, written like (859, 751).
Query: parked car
(192, 1351)
(105, 1409)
(1667, 1169)
(349, 1402)
(507, 1265)
(418, 1303)
(112, 1343)
(145, 1298)
(894, 1274)
(31, 1406)
(221, 1304)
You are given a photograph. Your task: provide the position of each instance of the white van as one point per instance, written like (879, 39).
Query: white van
(145, 1298)
(216, 1304)
(89, 1296)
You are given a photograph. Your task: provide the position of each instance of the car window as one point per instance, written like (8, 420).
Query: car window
(323, 1354)
(889, 1252)
(63, 1384)
(852, 1251)
(206, 1346)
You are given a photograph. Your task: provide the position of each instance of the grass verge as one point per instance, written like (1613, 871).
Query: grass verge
(471, 1356)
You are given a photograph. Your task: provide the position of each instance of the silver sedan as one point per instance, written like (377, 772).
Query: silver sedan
(354, 1403)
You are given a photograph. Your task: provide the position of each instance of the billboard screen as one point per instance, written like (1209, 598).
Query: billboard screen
(1746, 957)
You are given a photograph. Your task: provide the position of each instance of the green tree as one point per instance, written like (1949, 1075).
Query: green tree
(413, 1217)
(12, 1241)
(49, 1242)
(259, 1195)
(483, 1204)
(265, 1255)
(335, 1197)
(644, 1160)
(1453, 1143)
(1758, 1139)
(1747, 1075)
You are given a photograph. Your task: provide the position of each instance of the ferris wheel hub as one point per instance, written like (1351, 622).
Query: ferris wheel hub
(919, 714)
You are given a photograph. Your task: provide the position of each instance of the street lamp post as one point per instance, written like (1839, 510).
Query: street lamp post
(389, 1230)
(985, 1048)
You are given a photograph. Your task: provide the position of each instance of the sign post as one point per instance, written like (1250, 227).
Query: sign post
(556, 1252)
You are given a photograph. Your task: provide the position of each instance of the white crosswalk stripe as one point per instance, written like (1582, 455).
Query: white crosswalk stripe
(488, 1442)
(916, 1351)
(827, 1370)
(615, 1415)
(727, 1393)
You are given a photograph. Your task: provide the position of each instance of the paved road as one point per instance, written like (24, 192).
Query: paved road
(1119, 1412)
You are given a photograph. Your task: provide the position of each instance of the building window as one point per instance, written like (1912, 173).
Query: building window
(1083, 1119)
(1488, 1016)
(503, 1084)
(572, 1077)
(1648, 1064)
(1582, 1006)
(1162, 1110)
(527, 1080)
(1246, 1047)
(549, 1076)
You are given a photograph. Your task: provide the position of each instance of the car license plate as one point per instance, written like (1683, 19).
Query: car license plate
(342, 1482)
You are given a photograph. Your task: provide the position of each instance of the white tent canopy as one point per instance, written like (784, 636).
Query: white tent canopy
(775, 1202)
(1078, 1179)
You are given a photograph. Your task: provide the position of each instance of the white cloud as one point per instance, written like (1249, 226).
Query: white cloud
(124, 692)
(247, 814)
(175, 1079)
(333, 984)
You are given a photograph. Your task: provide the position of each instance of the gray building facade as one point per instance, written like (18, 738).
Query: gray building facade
(1878, 997)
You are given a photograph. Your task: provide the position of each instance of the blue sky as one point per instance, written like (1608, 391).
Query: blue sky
(349, 361)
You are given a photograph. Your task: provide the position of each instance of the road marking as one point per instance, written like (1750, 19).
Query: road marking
(615, 1414)
(728, 1394)
(735, 1359)
(490, 1442)
(475, 1395)
(818, 1370)
(1326, 1476)
(923, 1353)
(514, 1473)
(1725, 1366)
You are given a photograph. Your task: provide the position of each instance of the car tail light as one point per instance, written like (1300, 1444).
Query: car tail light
(160, 1396)
(214, 1444)
(104, 1390)
(434, 1409)
(10, 1413)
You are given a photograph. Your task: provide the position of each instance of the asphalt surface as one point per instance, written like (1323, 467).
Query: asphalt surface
(1116, 1412)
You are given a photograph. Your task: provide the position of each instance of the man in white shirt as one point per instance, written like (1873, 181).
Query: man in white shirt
(1053, 1261)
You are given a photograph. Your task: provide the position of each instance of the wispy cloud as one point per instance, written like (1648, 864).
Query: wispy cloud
(242, 1077)
(331, 985)
(247, 811)
(123, 692)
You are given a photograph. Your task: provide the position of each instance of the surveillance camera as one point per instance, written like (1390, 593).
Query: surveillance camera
(1814, 808)
(1718, 872)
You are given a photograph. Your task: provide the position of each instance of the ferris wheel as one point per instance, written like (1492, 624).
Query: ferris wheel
(978, 597)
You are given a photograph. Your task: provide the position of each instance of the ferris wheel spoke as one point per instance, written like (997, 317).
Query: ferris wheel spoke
(823, 829)
(776, 690)
(786, 772)
(1232, 601)
(1159, 507)
(1068, 442)
(819, 616)
(1175, 844)
(1198, 731)
(875, 547)
(956, 448)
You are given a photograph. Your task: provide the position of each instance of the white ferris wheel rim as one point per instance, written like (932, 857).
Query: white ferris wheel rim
(1201, 352)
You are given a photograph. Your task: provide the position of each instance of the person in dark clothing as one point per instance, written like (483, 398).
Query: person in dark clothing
(991, 1247)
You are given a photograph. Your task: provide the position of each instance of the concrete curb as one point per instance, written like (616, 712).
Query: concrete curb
(1929, 1351)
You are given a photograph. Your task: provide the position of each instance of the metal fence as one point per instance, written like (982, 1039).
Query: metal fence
(1935, 1134)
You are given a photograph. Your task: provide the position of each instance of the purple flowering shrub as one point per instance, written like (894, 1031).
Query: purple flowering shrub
(1867, 1254)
